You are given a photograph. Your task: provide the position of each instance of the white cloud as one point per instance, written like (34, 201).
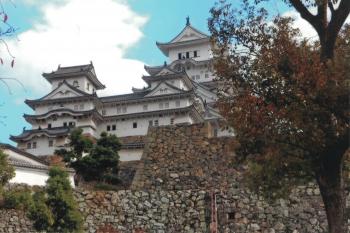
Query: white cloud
(305, 27)
(77, 32)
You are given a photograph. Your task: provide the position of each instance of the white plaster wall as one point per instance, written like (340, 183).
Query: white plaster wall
(200, 71)
(203, 48)
(125, 128)
(225, 132)
(30, 176)
(130, 154)
(82, 82)
(151, 106)
(34, 177)
(42, 147)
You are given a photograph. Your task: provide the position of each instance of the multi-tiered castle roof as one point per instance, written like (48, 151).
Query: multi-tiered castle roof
(178, 92)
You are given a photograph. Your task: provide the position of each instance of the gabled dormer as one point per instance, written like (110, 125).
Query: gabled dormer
(64, 90)
(82, 77)
(164, 88)
(190, 43)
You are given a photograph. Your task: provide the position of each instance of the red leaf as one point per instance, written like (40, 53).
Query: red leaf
(12, 62)
(5, 18)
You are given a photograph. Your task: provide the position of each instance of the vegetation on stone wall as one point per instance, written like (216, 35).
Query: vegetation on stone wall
(18, 198)
(100, 163)
(287, 97)
(54, 209)
(6, 171)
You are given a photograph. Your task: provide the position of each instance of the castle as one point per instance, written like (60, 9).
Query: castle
(181, 91)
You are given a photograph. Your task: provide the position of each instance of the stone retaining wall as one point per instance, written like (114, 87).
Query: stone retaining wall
(239, 211)
(172, 191)
(185, 157)
(125, 211)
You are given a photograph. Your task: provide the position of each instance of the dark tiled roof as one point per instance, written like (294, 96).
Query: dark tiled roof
(23, 153)
(40, 100)
(73, 69)
(125, 97)
(87, 70)
(50, 132)
(152, 70)
(62, 110)
(140, 97)
(23, 163)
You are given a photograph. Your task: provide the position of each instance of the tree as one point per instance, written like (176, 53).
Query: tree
(6, 31)
(289, 107)
(7, 172)
(54, 209)
(327, 29)
(79, 144)
(101, 161)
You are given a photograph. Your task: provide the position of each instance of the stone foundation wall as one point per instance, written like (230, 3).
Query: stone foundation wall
(185, 157)
(126, 211)
(238, 211)
(173, 191)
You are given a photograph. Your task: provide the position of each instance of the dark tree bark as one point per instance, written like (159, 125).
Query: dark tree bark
(327, 32)
(330, 181)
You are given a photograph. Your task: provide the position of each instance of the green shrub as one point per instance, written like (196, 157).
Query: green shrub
(7, 172)
(101, 162)
(40, 212)
(105, 187)
(55, 209)
(20, 198)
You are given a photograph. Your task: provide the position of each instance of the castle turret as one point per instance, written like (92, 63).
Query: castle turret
(82, 77)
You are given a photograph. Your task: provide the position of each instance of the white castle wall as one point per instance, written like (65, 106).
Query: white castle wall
(83, 84)
(130, 155)
(204, 51)
(112, 109)
(30, 176)
(34, 177)
(125, 128)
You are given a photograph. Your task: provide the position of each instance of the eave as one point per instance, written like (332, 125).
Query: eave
(150, 113)
(165, 47)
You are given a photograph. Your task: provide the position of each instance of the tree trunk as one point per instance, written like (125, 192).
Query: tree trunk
(330, 181)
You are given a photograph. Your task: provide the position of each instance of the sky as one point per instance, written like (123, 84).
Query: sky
(118, 36)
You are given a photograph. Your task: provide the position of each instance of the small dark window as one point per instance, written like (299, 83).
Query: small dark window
(64, 124)
(134, 125)
(29, 145)
(156, 123)
(195, 53)
(114, 127)
(171, 121)
(50, 143)
(108, 128)
(179, 56)
(231, 216)
(71, 124)
(34, 145)
(75, 83)
(187, 54)
(150, 123)
(49, 126)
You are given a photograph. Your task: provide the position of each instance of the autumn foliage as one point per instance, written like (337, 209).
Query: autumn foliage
(288, 105)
